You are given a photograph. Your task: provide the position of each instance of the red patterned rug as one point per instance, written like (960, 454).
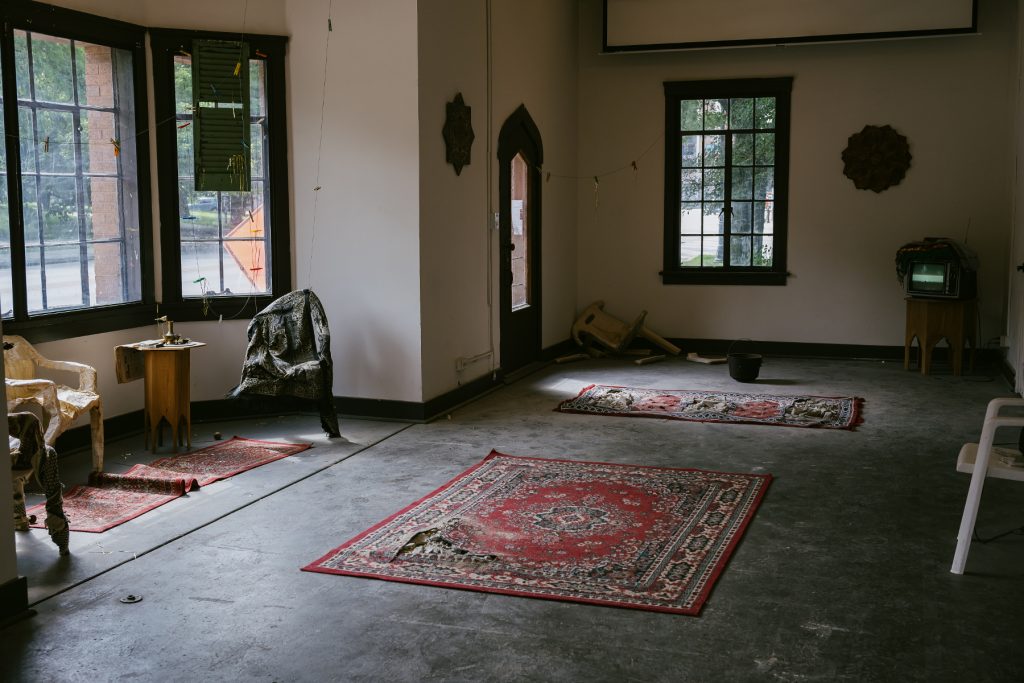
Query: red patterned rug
(111, 499)
(650, 538)
(824, 412)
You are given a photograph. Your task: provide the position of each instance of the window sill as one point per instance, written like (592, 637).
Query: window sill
(67, 324)
(705, 277)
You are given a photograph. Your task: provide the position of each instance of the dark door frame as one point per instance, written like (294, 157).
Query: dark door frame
(520, 344)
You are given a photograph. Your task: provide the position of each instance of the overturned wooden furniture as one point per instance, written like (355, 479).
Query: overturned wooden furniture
(614, 334)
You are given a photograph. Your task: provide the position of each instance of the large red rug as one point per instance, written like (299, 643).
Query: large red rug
(650, 538)
(825, 412)
(111, 499)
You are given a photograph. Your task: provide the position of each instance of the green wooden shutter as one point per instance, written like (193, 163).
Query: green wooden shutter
(220, 101)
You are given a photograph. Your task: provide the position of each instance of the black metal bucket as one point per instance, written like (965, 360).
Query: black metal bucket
(744, 367)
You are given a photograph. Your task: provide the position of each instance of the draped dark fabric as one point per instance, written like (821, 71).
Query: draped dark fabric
(30, 452)
(289, 354)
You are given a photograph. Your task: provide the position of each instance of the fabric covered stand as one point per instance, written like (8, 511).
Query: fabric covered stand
(30, 454)
(289, 354)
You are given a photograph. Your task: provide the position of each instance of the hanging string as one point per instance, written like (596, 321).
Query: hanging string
(595, 177)
(320, 145)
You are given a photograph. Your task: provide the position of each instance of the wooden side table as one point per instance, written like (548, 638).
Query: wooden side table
(168, 393)
(933, 319)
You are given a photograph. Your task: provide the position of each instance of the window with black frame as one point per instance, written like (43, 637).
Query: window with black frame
(73, 170)
(726, 181)
(224, 250)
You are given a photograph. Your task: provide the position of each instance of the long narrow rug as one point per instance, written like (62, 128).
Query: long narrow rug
(824, 412)
(650, 538)
(111, 499)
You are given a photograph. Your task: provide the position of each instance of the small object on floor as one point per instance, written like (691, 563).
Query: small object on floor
(572, 357)
(706, 359)
(217, 436)
(650, 359)
(131, 598)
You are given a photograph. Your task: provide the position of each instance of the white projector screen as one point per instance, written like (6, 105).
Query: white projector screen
(686, 24)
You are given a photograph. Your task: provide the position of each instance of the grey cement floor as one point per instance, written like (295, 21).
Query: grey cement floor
(842, 576)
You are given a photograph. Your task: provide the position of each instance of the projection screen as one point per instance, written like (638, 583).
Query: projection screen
(633, 25)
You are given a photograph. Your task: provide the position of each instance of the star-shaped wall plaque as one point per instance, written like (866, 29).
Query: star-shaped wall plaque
(458, 133)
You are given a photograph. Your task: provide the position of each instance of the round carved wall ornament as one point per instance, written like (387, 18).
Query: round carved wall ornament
(876, 158)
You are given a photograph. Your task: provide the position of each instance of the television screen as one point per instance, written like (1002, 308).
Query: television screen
(927, 277)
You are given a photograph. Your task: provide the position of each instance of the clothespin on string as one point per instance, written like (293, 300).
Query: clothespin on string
(596, 185)
(238, 68)
(117, 146)
(46, 144)
(185, 125)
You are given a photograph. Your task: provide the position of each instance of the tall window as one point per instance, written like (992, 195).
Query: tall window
(726, 181)
(223, 250)
(73, 205)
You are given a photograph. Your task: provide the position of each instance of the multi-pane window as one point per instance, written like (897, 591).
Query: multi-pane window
(220, 245)
(70, 240)
(224, 235)
(726, 181)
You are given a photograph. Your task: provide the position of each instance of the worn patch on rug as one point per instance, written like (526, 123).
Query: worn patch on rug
(111, 498)
(651, 538)
(825, 412)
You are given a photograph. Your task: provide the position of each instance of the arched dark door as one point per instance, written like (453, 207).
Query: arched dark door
(520, 155)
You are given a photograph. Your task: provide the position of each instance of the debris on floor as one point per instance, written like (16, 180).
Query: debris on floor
(706, 358)
(594, 326)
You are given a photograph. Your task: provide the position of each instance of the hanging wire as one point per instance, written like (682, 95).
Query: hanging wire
(320, 145)
(595, 177)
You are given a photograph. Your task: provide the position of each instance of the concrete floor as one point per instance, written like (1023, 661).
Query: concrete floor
(842, 576)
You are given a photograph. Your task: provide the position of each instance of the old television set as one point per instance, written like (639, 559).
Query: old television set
(937, 268)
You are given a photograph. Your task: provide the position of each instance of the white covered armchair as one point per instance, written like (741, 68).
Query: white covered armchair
(61, 404)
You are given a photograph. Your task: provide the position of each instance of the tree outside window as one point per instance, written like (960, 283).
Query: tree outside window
(726, 179)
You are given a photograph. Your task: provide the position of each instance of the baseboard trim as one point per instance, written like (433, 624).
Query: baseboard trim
(245, 407)
(815, 350)
(412, 411)
(13, 600)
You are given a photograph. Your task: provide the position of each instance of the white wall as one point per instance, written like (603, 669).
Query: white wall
(456, 237)
(365, 250)
(1015, 313)
(365, 255)
(950, 97)
(535, 64)
(533, 47)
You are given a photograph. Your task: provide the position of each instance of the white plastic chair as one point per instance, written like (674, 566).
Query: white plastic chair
(61, 404)
(983, 459)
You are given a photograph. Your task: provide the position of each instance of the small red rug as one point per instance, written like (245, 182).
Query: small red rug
(650, 538)
(111, 499)
(824, 412)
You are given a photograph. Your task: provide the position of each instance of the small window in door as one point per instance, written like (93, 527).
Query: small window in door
(521, 294)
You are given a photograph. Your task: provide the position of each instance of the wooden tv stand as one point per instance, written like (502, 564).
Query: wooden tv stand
(931, 320)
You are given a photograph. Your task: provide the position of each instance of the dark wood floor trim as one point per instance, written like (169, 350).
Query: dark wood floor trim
(411, 411)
